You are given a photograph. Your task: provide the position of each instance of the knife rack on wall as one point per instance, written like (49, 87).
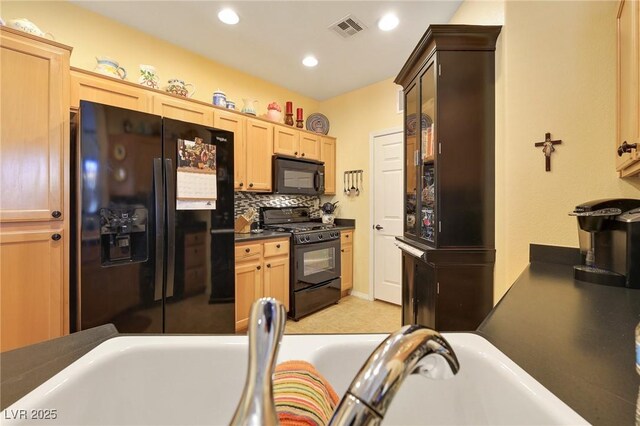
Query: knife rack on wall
(353, 182)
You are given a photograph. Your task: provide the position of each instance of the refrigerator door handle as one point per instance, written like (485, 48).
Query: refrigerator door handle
(171, 224)
(158, 194)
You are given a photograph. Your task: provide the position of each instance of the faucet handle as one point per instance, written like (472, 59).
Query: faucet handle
(267, 320)
(413, 349)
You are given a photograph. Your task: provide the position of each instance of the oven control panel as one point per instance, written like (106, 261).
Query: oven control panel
(316, 237)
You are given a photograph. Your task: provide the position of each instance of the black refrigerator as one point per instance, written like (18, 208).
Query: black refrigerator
(153, 205)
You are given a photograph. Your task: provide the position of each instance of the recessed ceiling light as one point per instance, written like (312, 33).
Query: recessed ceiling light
(388, 22)
(310, 61)
(228, 16)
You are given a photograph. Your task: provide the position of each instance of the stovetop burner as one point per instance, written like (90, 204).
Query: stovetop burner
(299, 227)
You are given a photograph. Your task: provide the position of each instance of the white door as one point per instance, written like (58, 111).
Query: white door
(388, 178)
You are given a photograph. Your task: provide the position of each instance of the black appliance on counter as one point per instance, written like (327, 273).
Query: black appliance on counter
(609, 235)
(297, 176)
(140, 262)
(314, 258)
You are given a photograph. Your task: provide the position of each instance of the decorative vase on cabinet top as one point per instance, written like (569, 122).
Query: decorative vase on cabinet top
(148, 76)
(179, 87)
(249, 106)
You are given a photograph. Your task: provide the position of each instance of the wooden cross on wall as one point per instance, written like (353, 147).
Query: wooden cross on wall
(547, 149)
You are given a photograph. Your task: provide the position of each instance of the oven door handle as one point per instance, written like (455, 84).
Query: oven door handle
(316, 180)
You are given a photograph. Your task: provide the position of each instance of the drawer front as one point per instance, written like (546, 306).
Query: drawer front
(248, 251)
(276, 248)
(194, 238)
(194, 256)
(346, 237)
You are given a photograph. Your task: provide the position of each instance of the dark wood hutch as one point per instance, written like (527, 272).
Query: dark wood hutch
(449, 131)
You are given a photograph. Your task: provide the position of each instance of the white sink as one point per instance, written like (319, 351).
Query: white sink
(197, 380)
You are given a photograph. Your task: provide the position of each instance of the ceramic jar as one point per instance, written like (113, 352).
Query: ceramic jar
(231, 105)
(148, 76)
(219, 99)
(110, 67)
(179, 87)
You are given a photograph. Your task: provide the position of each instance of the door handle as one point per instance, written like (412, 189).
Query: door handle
(171, 224)
(158, 194)
(378, 227)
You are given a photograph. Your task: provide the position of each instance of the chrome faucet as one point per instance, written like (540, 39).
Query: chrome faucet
(267, 319)
(411, 350)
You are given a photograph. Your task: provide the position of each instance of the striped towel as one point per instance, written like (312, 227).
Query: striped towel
(302, 396)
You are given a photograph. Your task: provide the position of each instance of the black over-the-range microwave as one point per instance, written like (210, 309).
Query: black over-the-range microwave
(297, 176)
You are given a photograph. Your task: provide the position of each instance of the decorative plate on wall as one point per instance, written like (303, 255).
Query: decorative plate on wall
(318, 123)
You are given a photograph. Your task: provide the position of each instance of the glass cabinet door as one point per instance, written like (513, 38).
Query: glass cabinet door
(427, 185)
(411, 170)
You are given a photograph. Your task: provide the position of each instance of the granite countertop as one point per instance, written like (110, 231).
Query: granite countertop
(575, 338)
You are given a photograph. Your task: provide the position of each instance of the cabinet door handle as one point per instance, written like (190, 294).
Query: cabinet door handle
(241, 184)
(277, 245)
(56, 237)
(247, 250)
(268, 265)
(259, 267)
(295, 153)
(56, 214)
(303, 154)
(342, 250)
(250, 185)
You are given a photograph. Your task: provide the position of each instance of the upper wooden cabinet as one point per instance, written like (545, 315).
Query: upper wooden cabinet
(328, 156)
(182, 109)
(292, 142)
(34, 121)
(286, 141)
(628, 88)
(88, 86)
(259, 150)
(235, 123)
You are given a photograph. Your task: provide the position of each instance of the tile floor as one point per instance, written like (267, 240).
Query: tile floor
(350, 315)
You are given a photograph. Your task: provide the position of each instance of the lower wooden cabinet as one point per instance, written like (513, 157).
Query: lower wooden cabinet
(346, 261)
(262, 270)
(32, 292)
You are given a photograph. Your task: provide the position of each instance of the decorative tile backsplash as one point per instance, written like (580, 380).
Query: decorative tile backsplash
(244, 200)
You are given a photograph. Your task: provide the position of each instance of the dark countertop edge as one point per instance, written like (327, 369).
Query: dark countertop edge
(266, 235)
(574, 338)
(24, 369)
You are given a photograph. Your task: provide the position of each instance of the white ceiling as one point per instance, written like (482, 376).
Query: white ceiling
(273, 37)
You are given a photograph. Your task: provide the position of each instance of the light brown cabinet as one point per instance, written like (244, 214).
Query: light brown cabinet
(88, 86)
(34, 189)
(32, 294)
(252, 152)
(235, 123)
(262, 270)
(294, 143)
(182, 109)
(346, 261)
(328, 156)
(259, 143)
(628, 87)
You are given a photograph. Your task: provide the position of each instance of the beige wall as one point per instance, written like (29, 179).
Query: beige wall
(92, 35)
(353, 117)
(556, 74)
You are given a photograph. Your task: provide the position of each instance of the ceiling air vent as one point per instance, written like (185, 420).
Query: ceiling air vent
(348, 26)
